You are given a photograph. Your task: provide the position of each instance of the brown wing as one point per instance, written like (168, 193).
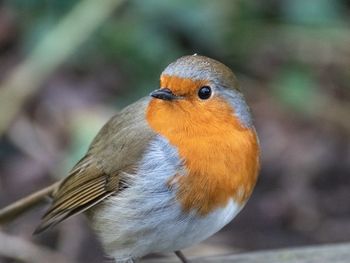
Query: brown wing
(84, 187)
(116, 149)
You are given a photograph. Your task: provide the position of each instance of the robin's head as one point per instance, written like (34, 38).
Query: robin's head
(203, 86)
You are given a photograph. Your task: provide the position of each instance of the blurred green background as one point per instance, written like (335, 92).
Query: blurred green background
(292, 58)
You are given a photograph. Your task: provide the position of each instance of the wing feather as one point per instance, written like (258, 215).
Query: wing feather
(76, 196)
(114, 152)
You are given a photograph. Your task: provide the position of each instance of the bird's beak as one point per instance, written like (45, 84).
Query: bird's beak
(164, 94)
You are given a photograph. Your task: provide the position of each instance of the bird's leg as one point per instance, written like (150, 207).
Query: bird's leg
(181, 256)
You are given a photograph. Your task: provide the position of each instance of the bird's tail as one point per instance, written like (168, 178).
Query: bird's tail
(21, 206)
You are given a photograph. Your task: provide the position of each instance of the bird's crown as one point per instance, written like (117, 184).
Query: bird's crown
(201, 68)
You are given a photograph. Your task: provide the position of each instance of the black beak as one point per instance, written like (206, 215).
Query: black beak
(164, 94)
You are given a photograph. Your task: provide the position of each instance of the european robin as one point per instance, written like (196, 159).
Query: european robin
(169, 170)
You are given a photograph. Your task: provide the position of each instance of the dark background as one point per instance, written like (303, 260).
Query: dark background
(292, 58)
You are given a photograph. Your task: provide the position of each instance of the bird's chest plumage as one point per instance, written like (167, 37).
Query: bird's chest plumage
(219, 154)
(161, 210)
(148, 216)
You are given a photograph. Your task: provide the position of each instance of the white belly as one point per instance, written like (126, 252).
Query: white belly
(134, 232)
(146, 217)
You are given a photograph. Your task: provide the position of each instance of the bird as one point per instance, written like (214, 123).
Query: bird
(169, 170)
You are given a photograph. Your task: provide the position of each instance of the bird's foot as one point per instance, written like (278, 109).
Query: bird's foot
(181, 256)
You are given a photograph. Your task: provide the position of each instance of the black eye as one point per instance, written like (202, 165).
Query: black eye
(204, 92)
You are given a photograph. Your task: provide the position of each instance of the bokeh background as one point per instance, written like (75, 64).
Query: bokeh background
(66, 66)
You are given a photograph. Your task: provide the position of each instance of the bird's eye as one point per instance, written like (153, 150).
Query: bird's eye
(204, 92)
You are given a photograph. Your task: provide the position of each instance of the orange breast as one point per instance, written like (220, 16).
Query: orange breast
(221, 156)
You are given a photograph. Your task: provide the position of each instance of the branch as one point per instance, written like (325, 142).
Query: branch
(50, 53)
(335, 253)
(24, 251)
(21, 206)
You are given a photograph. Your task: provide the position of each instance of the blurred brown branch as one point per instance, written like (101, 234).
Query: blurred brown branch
(24, 251)
(52, 51)
(21, 206)
(339, 253)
